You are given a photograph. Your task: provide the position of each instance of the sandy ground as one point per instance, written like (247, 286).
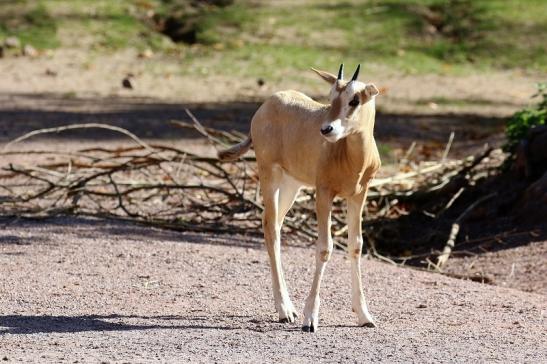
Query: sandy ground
(96, 291)
(523, 267)
(68, 86)
(77, 290)
(76, 73)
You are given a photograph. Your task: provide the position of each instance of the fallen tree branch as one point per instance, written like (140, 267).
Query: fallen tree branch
(451, 242)
(77, 126)
(172, 188)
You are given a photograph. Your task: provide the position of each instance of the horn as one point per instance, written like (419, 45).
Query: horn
(356, 74)
(341, 72)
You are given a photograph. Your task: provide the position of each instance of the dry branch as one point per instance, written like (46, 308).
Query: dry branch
(168, 187)
(77, 126)
(451, 242)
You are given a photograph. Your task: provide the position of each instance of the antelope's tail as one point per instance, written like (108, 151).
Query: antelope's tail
(233, 153)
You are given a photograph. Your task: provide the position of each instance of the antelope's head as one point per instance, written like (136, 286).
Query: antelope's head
(347, 100)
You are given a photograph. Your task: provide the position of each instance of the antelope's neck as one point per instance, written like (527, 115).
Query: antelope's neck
(349, 164)
(356, 157)
(359, 148)
(361, 145)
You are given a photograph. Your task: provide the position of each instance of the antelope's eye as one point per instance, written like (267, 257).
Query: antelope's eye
(354, 102)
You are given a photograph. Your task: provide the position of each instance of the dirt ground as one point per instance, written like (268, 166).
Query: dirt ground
(84, 290)
(72, 73)
(68, 86)
(520, 267)
(95, 291)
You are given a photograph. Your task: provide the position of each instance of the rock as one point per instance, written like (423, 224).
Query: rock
(127, 82)
(531, 154)
(532, 206)
(12, 42)
(30, 51)
(537, 150)
(147, 54)
(218, 46)
(50, 72)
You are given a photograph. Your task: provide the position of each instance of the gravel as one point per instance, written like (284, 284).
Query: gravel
(86, 290)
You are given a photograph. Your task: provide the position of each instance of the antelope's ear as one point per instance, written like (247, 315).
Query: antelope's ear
(327, 76)
(370, 91)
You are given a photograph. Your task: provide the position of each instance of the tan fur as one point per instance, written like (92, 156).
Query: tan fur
(285, 132)
(291, 152)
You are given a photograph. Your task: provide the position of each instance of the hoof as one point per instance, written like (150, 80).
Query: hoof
(289, 319)
(308, 328)
(368, 324)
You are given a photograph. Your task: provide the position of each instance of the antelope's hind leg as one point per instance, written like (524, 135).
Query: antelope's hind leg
(278, 194)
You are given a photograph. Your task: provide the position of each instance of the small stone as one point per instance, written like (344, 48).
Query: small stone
(12, 42)
(421, 305)
(5, 358)
(433, 106)
(51, 73)
(147, 54)
(218, 46)
(127, 83)
(30, 51)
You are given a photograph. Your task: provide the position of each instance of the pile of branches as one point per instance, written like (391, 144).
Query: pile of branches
(148, 183)
(167, 187)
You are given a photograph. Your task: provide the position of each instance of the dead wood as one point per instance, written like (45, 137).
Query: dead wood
(451, 242)
(167, 187)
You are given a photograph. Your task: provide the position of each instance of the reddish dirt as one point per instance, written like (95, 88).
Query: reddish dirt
(522, 267)
(77, 290)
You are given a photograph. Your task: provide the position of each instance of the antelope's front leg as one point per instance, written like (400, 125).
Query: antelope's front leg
(355, 246)
(323, 251)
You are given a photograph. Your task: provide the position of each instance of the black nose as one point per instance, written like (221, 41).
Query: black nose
(326, 130)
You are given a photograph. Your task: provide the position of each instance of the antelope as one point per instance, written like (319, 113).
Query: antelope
(300, 142)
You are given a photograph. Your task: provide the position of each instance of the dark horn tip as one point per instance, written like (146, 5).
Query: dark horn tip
(356, 74)
(341, 72)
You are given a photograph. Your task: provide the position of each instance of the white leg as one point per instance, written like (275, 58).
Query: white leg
(288, 190)
(355, 246)
(276, 196)
(323, 251)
